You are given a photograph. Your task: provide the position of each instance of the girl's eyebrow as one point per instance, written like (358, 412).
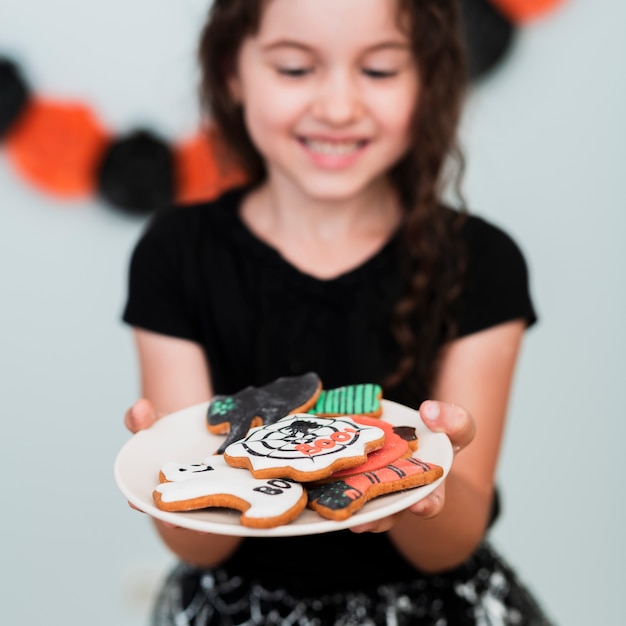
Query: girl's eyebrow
(288, 43)
(285, 43)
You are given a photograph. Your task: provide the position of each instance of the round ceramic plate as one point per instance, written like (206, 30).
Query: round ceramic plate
(183, 437)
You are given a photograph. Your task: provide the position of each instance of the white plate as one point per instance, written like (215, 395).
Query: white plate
(183, 437)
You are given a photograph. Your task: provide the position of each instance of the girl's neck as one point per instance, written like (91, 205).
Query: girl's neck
(286, 212)
(320, 237)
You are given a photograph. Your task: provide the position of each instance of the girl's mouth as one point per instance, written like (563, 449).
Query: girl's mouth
(333, 148)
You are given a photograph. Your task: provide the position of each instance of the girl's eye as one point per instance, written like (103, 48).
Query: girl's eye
(294, 72)
(374, 73)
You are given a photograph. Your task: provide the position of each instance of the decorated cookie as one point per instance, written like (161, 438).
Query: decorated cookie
(338, 500)
(214, 483)
(254, 406)
(304, 447)
(350, 400)
(400, 441)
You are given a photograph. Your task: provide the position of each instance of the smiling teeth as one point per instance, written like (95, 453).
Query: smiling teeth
(332, 147)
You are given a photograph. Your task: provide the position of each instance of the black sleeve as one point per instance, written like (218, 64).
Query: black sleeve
(497, 283)
(159, 297)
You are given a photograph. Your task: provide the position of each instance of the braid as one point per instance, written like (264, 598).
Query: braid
(434, 259)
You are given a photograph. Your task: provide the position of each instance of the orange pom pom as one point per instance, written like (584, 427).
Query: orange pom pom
(204, 169)
(56, 146)
(525, 10)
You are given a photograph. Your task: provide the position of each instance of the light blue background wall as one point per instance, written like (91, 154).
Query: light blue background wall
(545, 139)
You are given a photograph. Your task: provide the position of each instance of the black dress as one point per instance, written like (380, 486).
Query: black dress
(198, 273)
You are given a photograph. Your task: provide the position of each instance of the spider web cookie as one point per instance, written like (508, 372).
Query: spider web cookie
(304, 447)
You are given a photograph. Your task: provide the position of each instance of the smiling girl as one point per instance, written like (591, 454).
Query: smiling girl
(339, 257)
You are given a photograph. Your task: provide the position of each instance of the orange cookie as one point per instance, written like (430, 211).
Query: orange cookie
(400, 441)
(304, 447)
(338, 500)
(214, 483)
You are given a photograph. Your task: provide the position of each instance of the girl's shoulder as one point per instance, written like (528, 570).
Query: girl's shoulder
(199, 216)
(497, 281)
(479, 231)
(490, 245)
(185, 227)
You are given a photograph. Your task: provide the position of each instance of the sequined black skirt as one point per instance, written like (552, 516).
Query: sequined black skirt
(482, 592)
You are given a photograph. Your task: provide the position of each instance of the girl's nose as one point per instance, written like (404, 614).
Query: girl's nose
(337, 101)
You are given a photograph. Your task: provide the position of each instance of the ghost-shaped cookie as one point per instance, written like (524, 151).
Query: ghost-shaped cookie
(213, 483)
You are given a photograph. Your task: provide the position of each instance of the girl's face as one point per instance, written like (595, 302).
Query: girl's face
(328, 88)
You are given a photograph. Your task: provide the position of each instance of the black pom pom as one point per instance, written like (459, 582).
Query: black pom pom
(488, 36)
(14, 94)
(137, 174)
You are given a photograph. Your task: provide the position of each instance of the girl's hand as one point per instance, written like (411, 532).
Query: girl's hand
(460, 427)
(140, 416)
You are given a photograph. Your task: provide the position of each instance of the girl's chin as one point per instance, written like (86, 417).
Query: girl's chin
(335, 193)
(335, 188)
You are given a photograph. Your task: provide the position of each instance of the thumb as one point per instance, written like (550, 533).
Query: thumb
(451, 419)
(140, 416)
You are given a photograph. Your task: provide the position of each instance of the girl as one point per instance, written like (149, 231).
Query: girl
(338, 257)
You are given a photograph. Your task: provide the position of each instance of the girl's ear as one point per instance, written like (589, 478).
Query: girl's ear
(234, 87)
(229, 71)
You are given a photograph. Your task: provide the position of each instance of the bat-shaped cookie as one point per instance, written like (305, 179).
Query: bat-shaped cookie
(235, 415)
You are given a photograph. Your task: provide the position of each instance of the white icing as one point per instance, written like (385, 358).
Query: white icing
(176, 472)
(268, 498)
(305, 442)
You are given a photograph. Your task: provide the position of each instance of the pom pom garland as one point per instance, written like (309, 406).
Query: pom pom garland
(56, 147)
(204, 168)
(14, 95)
(484, 23)
(62, 149)
(525, 10)
(136, 173)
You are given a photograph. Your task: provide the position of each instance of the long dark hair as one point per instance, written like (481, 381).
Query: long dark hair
(434, 259)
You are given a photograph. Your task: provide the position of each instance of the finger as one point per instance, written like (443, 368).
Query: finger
(378, 526)
(450, 419)
(169, 524)
(431, 505)
(140, 416)
(166, 524)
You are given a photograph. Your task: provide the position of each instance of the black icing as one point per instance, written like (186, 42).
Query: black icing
(405, 432)
(268, 403)
(334, 495)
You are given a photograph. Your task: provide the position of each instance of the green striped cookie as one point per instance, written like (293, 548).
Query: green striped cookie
(349, 400)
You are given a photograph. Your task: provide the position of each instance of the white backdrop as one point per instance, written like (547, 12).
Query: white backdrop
(545, 139)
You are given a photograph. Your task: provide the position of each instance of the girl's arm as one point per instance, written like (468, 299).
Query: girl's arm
(476, 374)
(174, 375)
